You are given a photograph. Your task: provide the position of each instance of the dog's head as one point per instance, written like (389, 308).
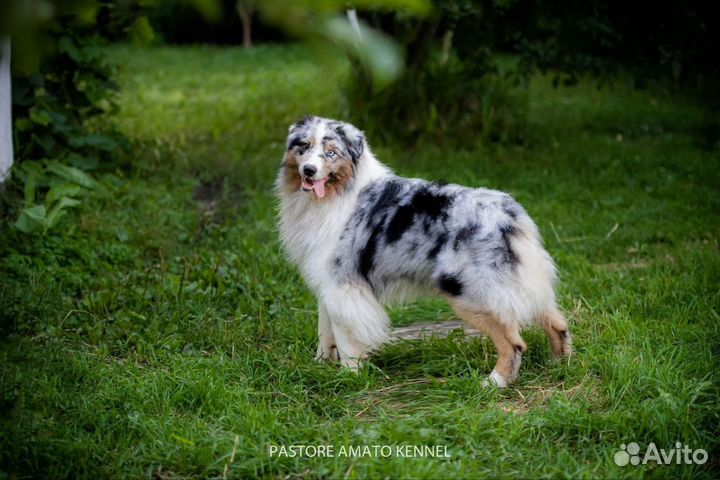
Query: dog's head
(321, 156)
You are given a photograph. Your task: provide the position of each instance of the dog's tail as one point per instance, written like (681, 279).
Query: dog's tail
(535, 275)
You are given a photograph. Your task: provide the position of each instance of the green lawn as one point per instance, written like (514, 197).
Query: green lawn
(159, 329)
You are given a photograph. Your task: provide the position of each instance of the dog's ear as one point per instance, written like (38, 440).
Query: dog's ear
(298, 130)
(353, 138)
(306, 120)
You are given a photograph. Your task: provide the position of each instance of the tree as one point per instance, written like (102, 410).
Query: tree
(245, 9)
(6, 140)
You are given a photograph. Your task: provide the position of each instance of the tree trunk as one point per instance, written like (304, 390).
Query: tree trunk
(246, 19)
(6, 139)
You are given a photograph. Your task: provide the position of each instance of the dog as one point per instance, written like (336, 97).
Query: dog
(363, 237)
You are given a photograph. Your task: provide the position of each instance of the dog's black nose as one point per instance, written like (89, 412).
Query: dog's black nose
(309, 170)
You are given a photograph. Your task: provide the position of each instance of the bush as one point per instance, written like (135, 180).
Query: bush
(441, 102)
(660, 42)
(56, 101)
(451, 90)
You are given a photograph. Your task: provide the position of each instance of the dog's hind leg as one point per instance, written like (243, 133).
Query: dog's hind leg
(326, 349)
(556, 329)
(506, 337)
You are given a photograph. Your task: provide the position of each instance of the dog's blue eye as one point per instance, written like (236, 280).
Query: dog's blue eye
(330, 153)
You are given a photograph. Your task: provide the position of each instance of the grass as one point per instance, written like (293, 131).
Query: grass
(160, 332)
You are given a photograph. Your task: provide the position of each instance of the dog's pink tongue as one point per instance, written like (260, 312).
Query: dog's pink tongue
(319, 187)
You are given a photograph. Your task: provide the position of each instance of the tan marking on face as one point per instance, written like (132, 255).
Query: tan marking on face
(340, 170)
(291, 174)
(292, 181)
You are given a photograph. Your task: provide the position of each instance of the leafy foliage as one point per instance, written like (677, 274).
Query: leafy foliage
(654, 42)
(58, 141)
(441, 101)
(452, 89)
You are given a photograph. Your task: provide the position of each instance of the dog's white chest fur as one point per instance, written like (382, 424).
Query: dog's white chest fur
(311, 230)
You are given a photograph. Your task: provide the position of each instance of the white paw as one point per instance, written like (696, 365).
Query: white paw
(326, 353)
(566, 348)
(495, 380)
(354, 364)
(567, 344)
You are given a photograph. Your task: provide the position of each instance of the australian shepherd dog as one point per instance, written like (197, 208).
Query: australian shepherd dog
(363, 236)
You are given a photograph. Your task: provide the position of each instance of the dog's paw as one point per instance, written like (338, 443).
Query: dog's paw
(566, 349)
(352, 364)
(495, 379)
(326, 353)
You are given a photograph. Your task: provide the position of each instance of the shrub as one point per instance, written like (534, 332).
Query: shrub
(451, 89)
(56, 102)
(666, 42)
(441, 102)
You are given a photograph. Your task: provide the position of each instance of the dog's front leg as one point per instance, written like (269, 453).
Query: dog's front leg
(359, 322)
(326, 349)
(351, 352)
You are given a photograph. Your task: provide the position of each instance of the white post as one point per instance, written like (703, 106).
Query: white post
(352, 18)
(6, 137)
